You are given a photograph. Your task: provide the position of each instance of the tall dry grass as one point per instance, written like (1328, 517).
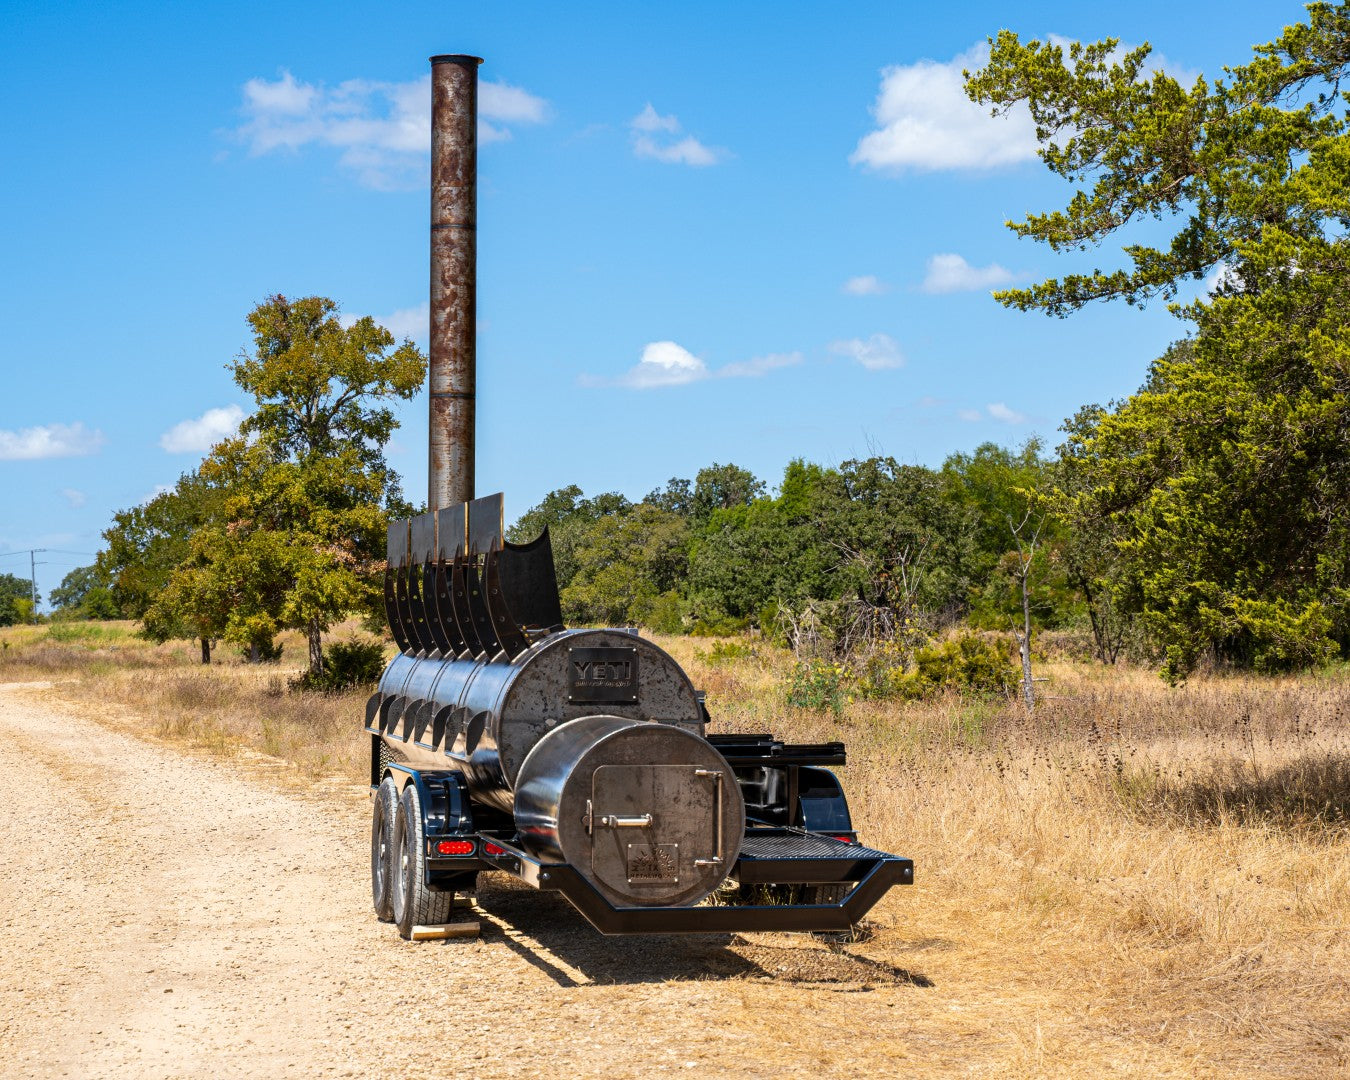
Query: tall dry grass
(1167, 868)
(1133, 879)
(226, 708)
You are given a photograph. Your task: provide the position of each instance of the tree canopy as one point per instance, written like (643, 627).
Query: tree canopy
(1219, 485)
(82, 594)
(16, 599)
(282, 526)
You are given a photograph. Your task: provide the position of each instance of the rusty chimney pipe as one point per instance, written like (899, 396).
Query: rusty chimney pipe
(454, 277)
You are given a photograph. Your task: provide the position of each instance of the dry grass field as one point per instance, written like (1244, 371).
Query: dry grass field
(1135, 880)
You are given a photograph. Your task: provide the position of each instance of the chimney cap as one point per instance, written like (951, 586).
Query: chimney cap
(456, 58)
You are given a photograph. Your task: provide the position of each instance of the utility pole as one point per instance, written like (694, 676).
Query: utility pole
(32, 575)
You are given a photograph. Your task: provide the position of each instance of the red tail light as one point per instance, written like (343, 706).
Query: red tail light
(845, 839)
(490, 848)
(454, 847)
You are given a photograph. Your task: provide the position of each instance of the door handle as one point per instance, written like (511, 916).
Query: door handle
(715, 775)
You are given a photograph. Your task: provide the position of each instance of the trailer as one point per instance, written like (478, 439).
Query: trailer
(577, 761)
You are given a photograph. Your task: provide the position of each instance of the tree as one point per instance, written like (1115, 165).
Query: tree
(146, 545)
(1000, 487)
(629, 568)
(677, 497)
(82, 595)
(568, 516)
(720, 487)
(1220, 483)
(16, 599)
(305, 489)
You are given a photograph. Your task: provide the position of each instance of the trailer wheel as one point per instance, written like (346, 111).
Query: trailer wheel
(382, 849)
(414, 903)
(823, 894)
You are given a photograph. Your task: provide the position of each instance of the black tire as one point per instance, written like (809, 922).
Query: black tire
(382, 849)
(824, 894)
(414, 903)
(776, 895)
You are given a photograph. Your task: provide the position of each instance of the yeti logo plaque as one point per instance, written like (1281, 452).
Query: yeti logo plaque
(603, 676)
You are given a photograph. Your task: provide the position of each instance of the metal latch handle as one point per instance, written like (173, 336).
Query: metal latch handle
(619, 821)
(714, 775)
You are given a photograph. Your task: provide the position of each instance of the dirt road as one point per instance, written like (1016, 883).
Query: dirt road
(168, 915)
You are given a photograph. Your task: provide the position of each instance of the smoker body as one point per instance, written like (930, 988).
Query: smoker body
(487, 714)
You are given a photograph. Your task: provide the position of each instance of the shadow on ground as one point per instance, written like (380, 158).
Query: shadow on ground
(548, 933)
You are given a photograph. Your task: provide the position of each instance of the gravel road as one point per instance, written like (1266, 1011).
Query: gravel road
(173, 915)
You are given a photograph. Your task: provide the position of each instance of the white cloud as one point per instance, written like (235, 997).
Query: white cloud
(413, 322)
(160, 489)
(996, 411)
(999, 411)
(877, 353)
(665, 363)
(951, 273)
(383, 129)
(758, 365)
(199, 435)
(75, 498)
(926, 122)
(509, 104)
(866, 285)
(49, 441)
(650, 120)
(654, 136)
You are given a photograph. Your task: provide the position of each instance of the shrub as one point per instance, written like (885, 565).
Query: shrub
(346, 664)
(727, 652)
(816, 684)
(965, 663)
(664, 614)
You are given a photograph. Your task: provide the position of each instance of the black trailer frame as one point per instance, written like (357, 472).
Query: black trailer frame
(771, 855)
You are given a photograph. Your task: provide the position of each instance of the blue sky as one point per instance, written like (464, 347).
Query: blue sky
(707, 232)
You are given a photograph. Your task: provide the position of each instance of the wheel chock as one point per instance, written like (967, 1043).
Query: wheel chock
(438, 931)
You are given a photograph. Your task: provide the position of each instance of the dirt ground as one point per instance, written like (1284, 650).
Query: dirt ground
(172, 915)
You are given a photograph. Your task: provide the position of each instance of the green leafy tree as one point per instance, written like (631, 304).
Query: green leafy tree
(1003, 488)
(16, 599)
(569, 518)
(1220, 484)
(721, 487)
(677, 497)
(82, 595)
(630, 567)
(305, 489)
(145, 545)
(746, 558)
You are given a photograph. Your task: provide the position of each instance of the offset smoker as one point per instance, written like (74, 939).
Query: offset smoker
(578, 761)
(574, 760)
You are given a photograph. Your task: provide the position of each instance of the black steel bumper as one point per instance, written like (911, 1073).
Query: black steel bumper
(778, 856)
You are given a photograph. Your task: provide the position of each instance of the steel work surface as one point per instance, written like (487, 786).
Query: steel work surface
(780, 844)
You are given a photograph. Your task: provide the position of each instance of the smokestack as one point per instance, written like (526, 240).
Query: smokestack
(454, 276)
